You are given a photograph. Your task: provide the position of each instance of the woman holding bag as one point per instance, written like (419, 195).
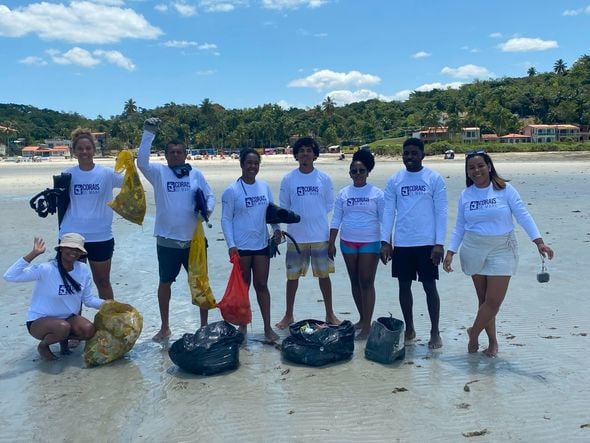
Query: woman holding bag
(243, 220)
(489, 252)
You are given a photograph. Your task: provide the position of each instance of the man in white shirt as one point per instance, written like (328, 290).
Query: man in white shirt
(308, 192)
(174, 185)
(416, 204)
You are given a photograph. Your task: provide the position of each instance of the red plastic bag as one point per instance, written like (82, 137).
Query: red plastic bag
(235, 304)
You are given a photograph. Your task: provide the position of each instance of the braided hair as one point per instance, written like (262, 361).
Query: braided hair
(70, 282)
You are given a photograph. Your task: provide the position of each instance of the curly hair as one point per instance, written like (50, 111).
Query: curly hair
(365, 157)
(82, 133)
(308, 142)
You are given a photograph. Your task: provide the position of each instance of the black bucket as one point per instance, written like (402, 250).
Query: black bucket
(386, 341)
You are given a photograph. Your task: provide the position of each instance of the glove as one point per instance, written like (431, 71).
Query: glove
(152, 125)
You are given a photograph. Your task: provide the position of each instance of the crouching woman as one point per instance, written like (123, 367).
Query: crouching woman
(61, 285)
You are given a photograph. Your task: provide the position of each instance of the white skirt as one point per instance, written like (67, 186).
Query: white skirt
(489, 255)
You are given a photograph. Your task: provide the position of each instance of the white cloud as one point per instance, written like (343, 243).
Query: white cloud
(217, 6)
(326, 78)
(467, 71)
(115, 58)
(470, 49)
(184, 8)
(161, 7)
(421, 54)
(206, 72)
(495, 35)
(179, 44)
(75, 22)
(571, 12)
(207, 46)
(33, 61)
(75, 56)
(292, 4)
(307, 33)
(403, 95)
(345, 97)
(525, 44)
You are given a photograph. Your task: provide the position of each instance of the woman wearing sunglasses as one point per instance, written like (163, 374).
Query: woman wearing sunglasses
(489, 252)
(358, 212)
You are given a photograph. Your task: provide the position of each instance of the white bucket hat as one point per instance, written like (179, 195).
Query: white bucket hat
(72, 240)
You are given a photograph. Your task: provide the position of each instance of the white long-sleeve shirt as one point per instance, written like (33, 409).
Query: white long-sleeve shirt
(88, 212)
(311, 196)
(358, 212)
(50, 298)
(243, 215)
(175, 197)
(487, 211)
(416, 203)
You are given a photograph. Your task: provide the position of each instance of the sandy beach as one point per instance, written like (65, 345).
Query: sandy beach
(537, 389)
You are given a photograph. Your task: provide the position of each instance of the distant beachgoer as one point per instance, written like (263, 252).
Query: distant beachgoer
(88, 213)
(243, 220)
(61, 286)
(358, 212)
(175, 185)
(416, 204)
(308, 192)
(489, 250)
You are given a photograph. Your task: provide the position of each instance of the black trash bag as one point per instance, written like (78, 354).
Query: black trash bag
(316, 343)
(386, 342)
(212, 349)
(53, 200)
(275, 215)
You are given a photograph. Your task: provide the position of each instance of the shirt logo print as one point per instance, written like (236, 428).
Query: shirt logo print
(406, 191)
(183, 186)
(86, 188)
(307, 190)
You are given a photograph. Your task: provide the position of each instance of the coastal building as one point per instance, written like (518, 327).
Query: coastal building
(489, 138)
(552, 133)
(470, 135)
(515, 138)
(432, 134)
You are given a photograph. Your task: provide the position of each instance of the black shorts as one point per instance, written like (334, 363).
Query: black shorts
(169, 262)
(100, 250)
(249, 252)
(407, 262)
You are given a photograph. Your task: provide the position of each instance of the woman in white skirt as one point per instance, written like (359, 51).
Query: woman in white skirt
(489, 252)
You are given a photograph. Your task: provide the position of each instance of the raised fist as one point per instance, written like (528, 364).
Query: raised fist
(152, 125)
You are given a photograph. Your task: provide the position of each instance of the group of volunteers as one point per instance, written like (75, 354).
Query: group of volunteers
(405, 224)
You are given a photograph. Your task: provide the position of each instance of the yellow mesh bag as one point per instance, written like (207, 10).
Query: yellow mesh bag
(118, 325)
(130, 202)
(198, 277)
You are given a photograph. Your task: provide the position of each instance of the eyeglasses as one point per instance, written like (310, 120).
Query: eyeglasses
(357, 171)
(472, 153)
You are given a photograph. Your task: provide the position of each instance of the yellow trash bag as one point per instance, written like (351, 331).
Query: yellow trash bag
(198, 278)
(118, 325)
(130, 202)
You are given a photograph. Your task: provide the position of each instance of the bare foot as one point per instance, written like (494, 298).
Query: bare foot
(162, 335)
(473, 344)
(492, 350)
(362, 335)
(409, 337)
(270, 337)
(45, 352)
(285, 322)
(435, 341)
(333, 320)
(73, 343)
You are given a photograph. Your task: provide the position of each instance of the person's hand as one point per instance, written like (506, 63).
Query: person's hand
(233, 250)
(152, 125)
(447, 261)
(38, 246)
(436, 255)
(278, 236)
(385, 252)
(545, 251)
(331, 251)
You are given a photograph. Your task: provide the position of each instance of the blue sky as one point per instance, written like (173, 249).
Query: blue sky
(91, 56)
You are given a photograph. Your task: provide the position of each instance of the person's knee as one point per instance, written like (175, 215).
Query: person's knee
(260, 286)
(62, 329)
(86, 331)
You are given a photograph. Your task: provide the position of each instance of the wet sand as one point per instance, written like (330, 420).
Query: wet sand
(537, 389)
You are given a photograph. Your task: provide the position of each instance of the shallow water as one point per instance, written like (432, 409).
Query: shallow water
(536, 390)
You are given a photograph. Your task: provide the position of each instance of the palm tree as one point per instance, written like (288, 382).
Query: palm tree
(531, 72)
(560, 67)
(130, 107)
(328, 106)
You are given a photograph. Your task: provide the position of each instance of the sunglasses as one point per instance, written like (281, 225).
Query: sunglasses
(357, 171)
(472, 153)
